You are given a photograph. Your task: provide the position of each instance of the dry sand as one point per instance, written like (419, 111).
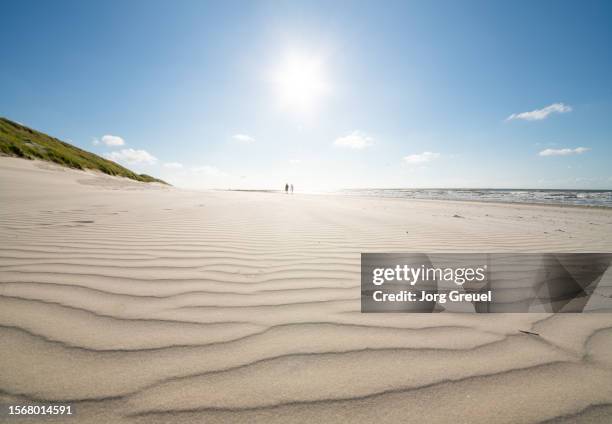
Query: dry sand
(146, 304)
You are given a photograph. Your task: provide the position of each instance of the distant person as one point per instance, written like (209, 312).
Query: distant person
(286, 188)
(291, 188)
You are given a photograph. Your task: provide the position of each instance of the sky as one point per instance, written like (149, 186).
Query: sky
(324, 95)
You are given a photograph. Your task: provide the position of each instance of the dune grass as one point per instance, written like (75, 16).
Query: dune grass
(20, 141)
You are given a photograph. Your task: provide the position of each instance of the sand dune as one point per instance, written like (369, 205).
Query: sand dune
(141, 303)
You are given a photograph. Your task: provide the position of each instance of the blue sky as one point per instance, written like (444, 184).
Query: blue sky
(322, 94)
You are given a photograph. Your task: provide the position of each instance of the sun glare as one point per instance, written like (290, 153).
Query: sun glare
(301, 82)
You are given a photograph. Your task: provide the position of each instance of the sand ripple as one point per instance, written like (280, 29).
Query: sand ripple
(154, 306)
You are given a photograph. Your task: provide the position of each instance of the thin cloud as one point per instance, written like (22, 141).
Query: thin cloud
(173, 165)
(132, 157)
(243, 138)
(420, 158)
(210, 171)
(564, 152)
(355, 140)
(540, 114)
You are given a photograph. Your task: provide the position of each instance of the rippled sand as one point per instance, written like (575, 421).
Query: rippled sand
(145, 304)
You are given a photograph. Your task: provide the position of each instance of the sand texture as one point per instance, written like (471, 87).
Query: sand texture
(139, 303)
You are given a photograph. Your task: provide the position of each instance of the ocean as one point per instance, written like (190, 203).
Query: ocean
(602, 198)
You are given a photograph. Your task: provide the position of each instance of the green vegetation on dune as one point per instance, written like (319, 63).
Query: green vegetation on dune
(23, 142)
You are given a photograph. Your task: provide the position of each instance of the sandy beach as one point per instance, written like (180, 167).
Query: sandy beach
(142, 303)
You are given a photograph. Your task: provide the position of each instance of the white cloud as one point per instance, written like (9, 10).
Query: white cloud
(131, 156)
(355, 140)
(173, 165)
(210, 171)
(564, 152)
(539, 114)
(109, 140)
(294, 161)
(421, 158)
(243, 138)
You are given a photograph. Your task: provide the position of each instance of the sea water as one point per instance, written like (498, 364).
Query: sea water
(602, 198)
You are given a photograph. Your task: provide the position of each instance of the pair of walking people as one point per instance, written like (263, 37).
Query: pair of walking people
(288, 187)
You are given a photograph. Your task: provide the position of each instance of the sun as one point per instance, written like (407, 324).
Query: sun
(301, 82)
